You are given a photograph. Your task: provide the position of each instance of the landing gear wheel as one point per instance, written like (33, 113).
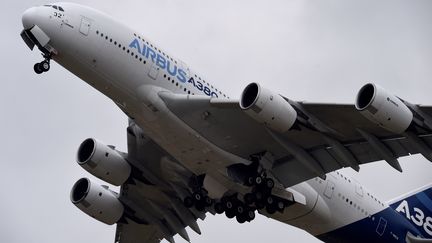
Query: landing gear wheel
(249, 198)
(270, 209)
(218, 208)
(269, 183)
(45, 66)
(250, 215)
(269, 200)
(258, 196)
(37, 68)
(197, 197)
(258, 180)
(208, 201)
(230, 214)
(229, 205)
(239, 210)
(280, 206)
(250, 181)
(240, 219)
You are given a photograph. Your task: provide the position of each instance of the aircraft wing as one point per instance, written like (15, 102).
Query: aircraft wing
(326, 138)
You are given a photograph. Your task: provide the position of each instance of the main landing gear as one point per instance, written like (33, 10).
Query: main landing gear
(199, 199)
(233, 207)
(43, 66)
(261, 196)
(236, 206)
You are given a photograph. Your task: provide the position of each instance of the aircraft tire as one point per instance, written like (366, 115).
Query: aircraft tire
(198, 197)
(45, 66)
(37, 68)
(250, 215)
(219, 209)
(270, 209)
(230, 214)
(208, 201)
(269, 200)
(239, 209)
(241, 219)
(269, 183)
(280, 206)
(249, 198)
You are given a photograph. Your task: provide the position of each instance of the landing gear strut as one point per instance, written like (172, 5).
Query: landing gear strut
(261, 194)
(43, 66)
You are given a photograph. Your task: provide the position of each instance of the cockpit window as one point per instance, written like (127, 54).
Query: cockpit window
(54, 7)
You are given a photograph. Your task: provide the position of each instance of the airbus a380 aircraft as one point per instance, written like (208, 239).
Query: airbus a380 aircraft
(193, 150)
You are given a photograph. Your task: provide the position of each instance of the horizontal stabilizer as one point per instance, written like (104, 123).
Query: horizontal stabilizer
(413, 239)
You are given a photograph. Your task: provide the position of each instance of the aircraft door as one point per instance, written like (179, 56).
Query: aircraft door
(359, 190)
(381, 226)
(85, 26)
(154, 71)
(329, 189)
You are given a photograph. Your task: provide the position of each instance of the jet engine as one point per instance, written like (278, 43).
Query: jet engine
(267, 107)
(383, 108)
(103, 162)
(97, 201)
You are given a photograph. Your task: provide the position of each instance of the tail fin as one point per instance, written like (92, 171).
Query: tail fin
(416, 206)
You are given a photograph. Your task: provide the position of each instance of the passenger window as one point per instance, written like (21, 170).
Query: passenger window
(55, 7)
(61, 9)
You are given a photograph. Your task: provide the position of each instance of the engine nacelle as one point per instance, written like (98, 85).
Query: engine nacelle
(97, 201)
(103, 162)
(267, 107)
(383, 108)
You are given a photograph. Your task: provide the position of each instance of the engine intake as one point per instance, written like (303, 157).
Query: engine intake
(96, 201)
(103, 162)
(383, 108)
(267, 107)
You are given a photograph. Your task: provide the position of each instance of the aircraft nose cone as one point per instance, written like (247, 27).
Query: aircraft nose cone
(28, 18)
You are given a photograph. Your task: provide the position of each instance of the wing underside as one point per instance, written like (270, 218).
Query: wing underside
(332, 136)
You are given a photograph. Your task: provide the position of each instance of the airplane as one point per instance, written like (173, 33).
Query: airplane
(194, 150)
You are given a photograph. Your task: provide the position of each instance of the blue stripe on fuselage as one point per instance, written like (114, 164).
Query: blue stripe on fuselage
(417, 209)
(425, 200)
(394, 228)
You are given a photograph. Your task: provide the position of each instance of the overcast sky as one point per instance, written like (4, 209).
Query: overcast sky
(321, 51)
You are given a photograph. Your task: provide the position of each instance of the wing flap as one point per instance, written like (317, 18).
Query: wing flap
(132, 232)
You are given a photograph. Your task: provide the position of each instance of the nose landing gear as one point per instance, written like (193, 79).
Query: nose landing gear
(43, 66)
